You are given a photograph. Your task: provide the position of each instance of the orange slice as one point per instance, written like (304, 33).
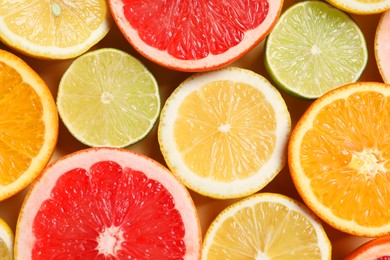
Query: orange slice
(378, 249)
(224, 133)
(363, 7)
(53, 29)
(195, 35)
(107, 203)
(266, 226)
(382, 48)
(28, 124)
(339, 158)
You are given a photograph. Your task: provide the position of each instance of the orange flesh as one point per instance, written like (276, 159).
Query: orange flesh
(347, 158)
(231, 121)
(21, 126)
(192, 30)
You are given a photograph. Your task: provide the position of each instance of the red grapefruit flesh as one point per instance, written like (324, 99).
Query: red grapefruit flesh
(106, 203)
(376, 249)
(195, 35)
(382, 47)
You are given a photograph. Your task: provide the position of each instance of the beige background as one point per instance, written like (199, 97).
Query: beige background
(51, 72)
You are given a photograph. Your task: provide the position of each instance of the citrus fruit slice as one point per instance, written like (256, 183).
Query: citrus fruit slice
(339, 158)
(378, 249)
(53, 29)
(382, 48)
(224, 133)
(364, 7)
(314, 48)
(195, 35)
(6, 241)
(28, 124)
(266, 226)
(108, 98)
(107, 203)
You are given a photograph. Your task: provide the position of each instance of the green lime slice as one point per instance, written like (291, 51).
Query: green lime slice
(108, 98)
(313, 49)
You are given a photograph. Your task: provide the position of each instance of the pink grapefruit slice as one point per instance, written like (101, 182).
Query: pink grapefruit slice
(107, 203)
(195, 35)
(382, 47)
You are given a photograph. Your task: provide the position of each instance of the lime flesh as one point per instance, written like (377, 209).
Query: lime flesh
(108, 98)
(313, 49)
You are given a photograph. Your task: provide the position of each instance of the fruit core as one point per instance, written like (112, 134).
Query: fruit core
(110, 240)
(106, 98)
(368, 161)
(261, 256)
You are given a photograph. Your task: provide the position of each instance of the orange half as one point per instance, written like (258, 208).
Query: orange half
(28, 124)
(339, 158)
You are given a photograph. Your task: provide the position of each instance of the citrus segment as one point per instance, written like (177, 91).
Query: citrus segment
(108, 98)
(28, 124)
(55, 30)
(106, 202)
(339, 158)
(195, 36)
(266, 226)
(377, 248)
(6, 241)
(224, 133)
(382, 48)
(363, 7)
(314, 48)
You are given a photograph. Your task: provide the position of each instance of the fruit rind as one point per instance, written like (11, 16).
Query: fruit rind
(361, 7)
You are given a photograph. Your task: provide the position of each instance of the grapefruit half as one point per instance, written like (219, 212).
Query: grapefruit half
(106, 203)
(195, 35)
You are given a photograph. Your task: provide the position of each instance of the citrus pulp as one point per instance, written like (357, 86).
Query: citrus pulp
(339, 158)
(314, 48)
(53, 29)
(266, 226)
(108, 98)
(107, 203)
(195, 35)
(224, 133)
(28, 124)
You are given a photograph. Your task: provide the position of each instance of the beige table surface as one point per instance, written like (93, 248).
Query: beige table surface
(168, 80)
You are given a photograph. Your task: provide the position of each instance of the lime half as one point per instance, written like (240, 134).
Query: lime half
(108, 98)
(313, 49)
